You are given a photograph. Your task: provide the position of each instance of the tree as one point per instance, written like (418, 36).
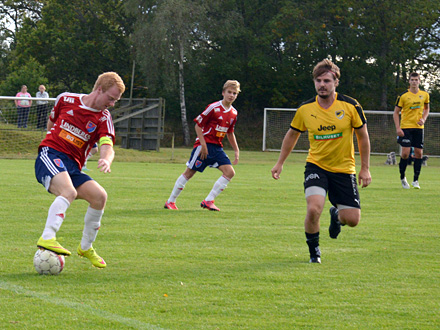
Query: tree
(76, 41)
(14, 13)
(30, 74)
(174, 36)
(163, 39)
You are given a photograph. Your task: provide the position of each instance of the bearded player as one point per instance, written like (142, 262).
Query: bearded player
(330, 119)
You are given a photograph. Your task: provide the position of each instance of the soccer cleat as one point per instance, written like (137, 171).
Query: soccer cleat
(91, 254)
(416, 185)
(335, 226)
(209, 205)
(405, 184)
(53, 245)
(315, 260)
(170, 206)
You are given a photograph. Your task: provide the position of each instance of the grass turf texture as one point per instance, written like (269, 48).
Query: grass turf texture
(245, 267)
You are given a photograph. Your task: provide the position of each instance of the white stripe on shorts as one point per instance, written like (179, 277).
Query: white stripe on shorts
(190, 163)
(49, 164)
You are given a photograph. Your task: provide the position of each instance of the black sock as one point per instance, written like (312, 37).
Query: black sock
(402, 167)
(313, 243)
(417, 168)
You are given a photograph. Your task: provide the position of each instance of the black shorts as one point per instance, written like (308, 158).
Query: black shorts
(414, 137)
(340, 187)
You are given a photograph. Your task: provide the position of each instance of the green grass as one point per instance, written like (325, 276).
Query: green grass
(245, 267)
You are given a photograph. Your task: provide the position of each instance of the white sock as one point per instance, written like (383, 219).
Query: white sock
(92, 223)
(178, 187)
(218, 187)
(55, 217)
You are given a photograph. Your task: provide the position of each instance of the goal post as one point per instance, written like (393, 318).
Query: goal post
(380, 128)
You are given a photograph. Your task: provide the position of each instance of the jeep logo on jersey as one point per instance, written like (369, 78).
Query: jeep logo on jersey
(327, 128)
(91, 127)
(340, 114)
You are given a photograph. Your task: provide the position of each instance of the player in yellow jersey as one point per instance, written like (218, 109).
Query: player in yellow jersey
(413, 106)
(330, 119)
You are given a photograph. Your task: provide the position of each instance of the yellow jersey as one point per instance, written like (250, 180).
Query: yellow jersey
(412, 106)
(331, 132)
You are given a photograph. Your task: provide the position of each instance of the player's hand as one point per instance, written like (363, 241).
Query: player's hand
(421, 122)
(237, 156)
(364, 178)
(203, 152)
(104, 165)
(400, 132)
(276, 171)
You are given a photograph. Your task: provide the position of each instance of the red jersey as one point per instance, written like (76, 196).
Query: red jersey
(77, 127)
(215, 122)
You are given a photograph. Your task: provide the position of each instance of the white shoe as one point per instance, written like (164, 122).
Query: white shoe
(405, 184)
(415, 184)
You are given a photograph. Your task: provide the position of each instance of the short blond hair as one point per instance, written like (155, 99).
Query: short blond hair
(326, 66)
(232, 84)
(108, 80)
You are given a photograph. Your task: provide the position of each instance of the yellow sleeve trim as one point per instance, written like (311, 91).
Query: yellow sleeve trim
(105, 140)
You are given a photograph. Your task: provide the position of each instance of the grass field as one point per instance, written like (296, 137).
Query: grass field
(245, 267)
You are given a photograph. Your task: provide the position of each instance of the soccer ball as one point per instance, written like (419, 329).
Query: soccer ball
(48, 262)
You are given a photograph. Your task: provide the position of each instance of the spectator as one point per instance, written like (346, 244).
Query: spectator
(23, 107)
(42, 107)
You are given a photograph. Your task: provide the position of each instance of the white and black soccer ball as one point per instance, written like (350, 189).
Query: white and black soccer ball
(48, 262)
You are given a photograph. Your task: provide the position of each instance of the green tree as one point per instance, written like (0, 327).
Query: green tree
(76, 41)
(169, 37)
(30, 74)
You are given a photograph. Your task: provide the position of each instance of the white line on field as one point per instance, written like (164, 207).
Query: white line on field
(79, 306)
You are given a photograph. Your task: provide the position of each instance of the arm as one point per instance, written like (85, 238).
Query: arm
(233, 141)
(289, 142)
(397, 121)
(364, 149)
(107, 154)
(204, 151)
(425, 114)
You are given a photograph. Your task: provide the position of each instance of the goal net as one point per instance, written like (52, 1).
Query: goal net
(380, 128)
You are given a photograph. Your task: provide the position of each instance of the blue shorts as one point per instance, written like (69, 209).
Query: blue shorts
(341, 187)
(413, 138)
(216, 157)
(50, 162)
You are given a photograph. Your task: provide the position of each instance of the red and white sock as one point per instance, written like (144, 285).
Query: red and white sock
(178, 187)
(55, 217)
(92, 223)
(218, 187)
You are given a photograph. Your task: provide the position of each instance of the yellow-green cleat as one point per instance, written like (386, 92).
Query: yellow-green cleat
(53, 245)
(91, 254)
